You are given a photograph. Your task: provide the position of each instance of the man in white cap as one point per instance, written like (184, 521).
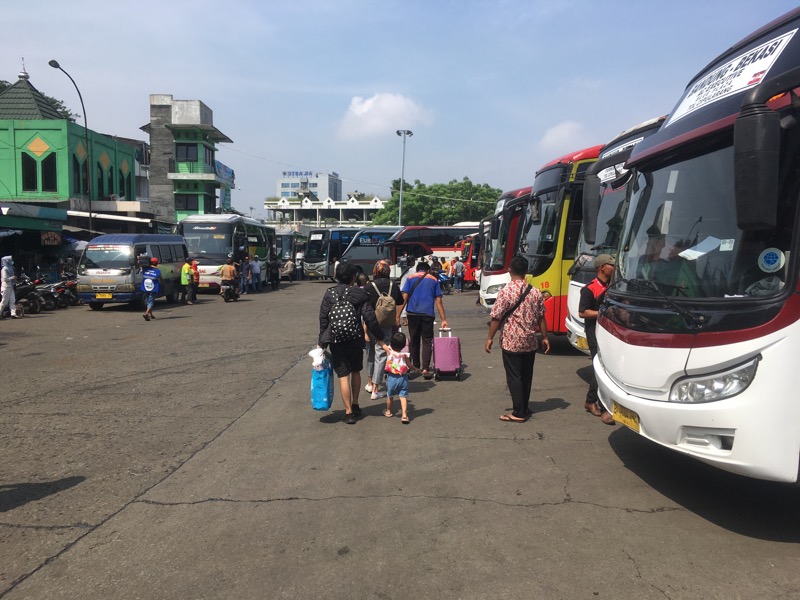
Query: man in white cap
(592, 296)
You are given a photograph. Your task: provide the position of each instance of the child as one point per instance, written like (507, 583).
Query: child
(397, 367)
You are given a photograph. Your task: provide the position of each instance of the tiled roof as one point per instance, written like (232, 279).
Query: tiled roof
(23, 102)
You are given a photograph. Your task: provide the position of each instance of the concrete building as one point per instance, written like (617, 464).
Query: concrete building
(184, 172)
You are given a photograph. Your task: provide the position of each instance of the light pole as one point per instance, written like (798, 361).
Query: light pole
(54, 63)
(404, 133)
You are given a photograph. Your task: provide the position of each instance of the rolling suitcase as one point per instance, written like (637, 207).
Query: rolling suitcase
(446, 355)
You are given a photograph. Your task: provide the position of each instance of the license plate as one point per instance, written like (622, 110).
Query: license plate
(581, 343)
(203, 285)
(626, 417)
(104, 296)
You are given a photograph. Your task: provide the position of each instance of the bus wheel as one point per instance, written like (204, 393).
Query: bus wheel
(95, 305)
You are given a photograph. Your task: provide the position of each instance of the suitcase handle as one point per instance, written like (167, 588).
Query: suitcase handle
(445, 329)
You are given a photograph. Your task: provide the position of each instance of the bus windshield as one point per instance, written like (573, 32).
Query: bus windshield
(540, 229)
(317, 247)
(106, 257)
(610, 219)
(682, 238)
(208, 240)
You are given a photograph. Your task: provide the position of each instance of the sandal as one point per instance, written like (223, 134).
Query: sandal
(387, 413)
(426, 374)
(511, 419)
(405, 420)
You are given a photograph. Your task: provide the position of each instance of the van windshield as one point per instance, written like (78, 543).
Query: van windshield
(106, 257)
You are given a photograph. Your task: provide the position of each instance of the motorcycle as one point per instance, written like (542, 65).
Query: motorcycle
(228, 290)
(445, 283)
(27, 295)
(50, 296)
(69, 281)
(19, 310)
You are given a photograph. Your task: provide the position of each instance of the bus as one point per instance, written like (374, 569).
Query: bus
(288, 243)
(500, 233)
(413, 242)
(368, 247)
(469, 250)
(324, 248)
(699, 332)
(109, 269)
(549, 229)
(604, 192)
(213, 238)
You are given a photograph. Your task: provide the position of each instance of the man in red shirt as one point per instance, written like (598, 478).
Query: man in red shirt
(518, 309)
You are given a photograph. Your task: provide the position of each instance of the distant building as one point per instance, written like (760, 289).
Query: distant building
(184, 172)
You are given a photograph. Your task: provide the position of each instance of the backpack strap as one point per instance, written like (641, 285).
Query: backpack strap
(380, 293)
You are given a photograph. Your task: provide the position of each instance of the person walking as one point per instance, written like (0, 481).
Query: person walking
(458, 273)
(255, 274)
(592, 296)
(381, 287)
(274, 272)
(186, 281)
(397, 368)
(422, 296)
(151, 286)
(195, 280)
(7, 280)
(519, 308)
(247, 272)
(341, 312)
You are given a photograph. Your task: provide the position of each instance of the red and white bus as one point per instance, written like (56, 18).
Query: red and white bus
(699, 333)
(469, 249)
(411, 243)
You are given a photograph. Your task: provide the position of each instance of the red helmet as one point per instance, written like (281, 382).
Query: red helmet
(154, 261)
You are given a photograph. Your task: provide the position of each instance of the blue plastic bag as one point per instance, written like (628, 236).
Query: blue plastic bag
(322, 386)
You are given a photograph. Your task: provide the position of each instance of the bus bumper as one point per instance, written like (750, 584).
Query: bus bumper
(577, 335)
(107, 297)
(754, 433)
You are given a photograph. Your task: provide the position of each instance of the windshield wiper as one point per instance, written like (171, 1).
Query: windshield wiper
(692, 320)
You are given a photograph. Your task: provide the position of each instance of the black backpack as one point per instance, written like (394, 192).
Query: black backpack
(343, 320)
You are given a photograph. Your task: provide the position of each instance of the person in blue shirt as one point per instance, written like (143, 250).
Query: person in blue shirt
(422, 296)
(151, 286)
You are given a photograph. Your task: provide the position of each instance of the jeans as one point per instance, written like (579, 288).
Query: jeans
(519, 378)
(186, 292)
(420, 344)
(376, 358)
(460, 282)
(255, 282)
(195, 286)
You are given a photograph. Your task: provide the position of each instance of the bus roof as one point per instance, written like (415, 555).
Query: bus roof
(585, 154)
(713, 98)
(220, 218)
(137, 238)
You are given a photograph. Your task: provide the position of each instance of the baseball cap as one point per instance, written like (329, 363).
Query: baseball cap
(604, 259)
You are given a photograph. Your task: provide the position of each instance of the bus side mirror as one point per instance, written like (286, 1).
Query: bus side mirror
(756, 147)
(591, 208)
(494, 230)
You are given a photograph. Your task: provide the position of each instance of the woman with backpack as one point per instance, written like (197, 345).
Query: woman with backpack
(343, 310)
(387, 302)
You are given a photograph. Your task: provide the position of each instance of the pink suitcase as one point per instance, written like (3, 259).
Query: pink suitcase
(446, 355)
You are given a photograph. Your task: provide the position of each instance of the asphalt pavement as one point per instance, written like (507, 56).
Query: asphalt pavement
(180, 458)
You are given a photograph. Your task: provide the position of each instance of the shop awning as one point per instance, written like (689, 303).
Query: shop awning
(103, 216)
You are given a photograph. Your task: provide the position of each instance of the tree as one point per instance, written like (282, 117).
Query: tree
(60, 107)
(439, 203)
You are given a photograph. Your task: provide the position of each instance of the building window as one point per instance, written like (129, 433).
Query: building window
(312, 185)
(110, 181)
(295, 185)
(100, 180)
(286, 194)
(29, 176)
(49, 173)
(284, 185)
(186, 152)
(185, 201)
(76, 175)
(209, 156)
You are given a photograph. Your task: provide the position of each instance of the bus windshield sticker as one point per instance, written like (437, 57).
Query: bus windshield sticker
(737, 75)
(621, 148)
(315, 237)
(701, 249)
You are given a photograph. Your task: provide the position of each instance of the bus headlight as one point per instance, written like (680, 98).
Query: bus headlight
(494, 289)
(85, 288)
(718, 386)
(125, 287)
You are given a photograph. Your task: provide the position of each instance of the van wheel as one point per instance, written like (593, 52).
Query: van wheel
(171, 298)
(95, 305)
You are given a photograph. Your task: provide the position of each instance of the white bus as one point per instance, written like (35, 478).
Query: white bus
(213, 238)
(699, 333)
(324, 248)
(367, 247)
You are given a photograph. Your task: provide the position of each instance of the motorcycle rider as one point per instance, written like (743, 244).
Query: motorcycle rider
(7, 281)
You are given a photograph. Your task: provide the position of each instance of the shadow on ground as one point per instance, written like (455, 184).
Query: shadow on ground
(14, 495)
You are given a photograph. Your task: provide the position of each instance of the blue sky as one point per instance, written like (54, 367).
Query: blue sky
(491, 89)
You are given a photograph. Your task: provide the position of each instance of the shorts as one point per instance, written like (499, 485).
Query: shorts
(396, 385)
(149, 300)
(347, 357)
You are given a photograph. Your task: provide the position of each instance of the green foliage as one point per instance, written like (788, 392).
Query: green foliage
(439, 203)
(62, 108)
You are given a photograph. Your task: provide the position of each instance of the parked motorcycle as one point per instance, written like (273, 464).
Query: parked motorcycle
(27, 295)
(445, 283)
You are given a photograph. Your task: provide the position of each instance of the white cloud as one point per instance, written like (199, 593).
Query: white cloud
(562, 138)
(380, 114)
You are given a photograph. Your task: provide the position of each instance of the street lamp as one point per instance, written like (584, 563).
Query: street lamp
(54, 63)
(404, 133)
